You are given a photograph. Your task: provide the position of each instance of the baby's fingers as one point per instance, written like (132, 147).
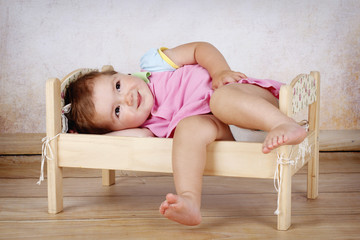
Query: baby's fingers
(241, 75)
(226, 77)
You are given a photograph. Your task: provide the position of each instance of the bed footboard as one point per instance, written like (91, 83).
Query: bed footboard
(304, 91)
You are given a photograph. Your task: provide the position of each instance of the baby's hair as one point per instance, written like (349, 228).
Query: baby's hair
(79, 93)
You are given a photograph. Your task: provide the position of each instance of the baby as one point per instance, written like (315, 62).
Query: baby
(191, 95)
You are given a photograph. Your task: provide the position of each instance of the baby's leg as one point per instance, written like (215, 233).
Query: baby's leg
(252, 107)
(191, 137)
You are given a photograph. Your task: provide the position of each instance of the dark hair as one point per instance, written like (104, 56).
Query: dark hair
(79, 93)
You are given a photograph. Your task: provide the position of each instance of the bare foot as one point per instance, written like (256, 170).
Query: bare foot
(181, 209)
(286, 133)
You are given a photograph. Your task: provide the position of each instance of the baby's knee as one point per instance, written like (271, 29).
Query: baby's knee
(201, 128)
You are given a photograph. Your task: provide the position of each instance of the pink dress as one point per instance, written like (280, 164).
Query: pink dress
(186, 92)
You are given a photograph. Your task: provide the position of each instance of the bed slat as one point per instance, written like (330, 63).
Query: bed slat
(225, 158)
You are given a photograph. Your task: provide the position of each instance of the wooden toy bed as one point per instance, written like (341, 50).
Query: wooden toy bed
(224, 158)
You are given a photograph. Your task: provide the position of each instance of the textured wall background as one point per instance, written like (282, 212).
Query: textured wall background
(265, 39)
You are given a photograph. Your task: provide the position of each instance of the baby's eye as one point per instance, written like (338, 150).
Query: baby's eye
(117, 85)
(117, 111)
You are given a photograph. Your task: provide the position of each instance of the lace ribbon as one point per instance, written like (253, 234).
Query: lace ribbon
(304, 148)
(44, 155)
(65, 109)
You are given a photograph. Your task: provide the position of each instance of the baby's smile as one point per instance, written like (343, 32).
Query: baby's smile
(122, 101)
(139, 98)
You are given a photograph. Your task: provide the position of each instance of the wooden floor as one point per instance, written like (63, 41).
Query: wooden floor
(233, 208)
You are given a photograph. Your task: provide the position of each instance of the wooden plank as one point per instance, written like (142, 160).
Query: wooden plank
(225, 158)
(30, 143)
(29, 166)
(20, 143)
(233, 208)
(340, 140)
(257, 227)
(53, 127)
(313, 165)
(143, 186)
(284, 171)
(213, 205)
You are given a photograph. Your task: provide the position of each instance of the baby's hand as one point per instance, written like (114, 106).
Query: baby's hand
(224, 77)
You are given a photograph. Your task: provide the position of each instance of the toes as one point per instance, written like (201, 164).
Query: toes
(272, 142)
(275, 141)
(169, 203)
(285, 134)
(267, 145)
(171, 198)
(281, 140)
(266, 150)
(285, 139)
(163, 207)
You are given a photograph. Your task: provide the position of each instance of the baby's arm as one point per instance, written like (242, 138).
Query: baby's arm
(133, 132)
(207, 56)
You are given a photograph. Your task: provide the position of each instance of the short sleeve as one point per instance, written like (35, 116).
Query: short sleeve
(155, 60)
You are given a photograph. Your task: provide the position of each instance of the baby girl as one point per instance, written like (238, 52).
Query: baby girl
(188, 93)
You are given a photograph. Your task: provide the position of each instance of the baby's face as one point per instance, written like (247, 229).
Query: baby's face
(121, 101)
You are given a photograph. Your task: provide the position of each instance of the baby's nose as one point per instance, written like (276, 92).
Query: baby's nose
(128, 99)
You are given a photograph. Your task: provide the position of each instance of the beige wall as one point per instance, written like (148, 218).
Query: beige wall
(264, 39)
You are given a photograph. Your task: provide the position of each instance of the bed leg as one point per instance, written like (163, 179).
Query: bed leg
(313, 164)
(55, 185)
(313, 176)
(53, 127)
(284, 217)
(108, 177)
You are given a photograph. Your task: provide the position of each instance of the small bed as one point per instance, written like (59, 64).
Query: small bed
(224, 158)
